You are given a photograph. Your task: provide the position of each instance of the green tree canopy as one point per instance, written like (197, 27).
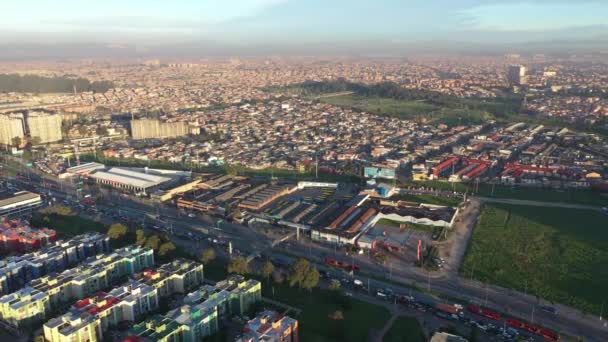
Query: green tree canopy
(208, 256)
(117, 231)
(267, 269)
(153, 242)
(334, 285)
(166, 248)
(311, 280)
(238, 265)
(140, 237)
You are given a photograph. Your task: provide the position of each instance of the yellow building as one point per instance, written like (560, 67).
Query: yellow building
(24, 306)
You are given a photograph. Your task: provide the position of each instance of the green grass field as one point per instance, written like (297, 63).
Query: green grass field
(411, 109)
(525, 193)
(414, 226)
(557, 254)
(405, 329)
(68, 226)
(429, 199)
(315, 324)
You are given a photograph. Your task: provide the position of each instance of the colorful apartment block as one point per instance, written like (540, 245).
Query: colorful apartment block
(90, 318)
(178, 276)
(202, 311)
(16, 271)
(19, 236)
(24, 307)
(270, 326)
(96, 274)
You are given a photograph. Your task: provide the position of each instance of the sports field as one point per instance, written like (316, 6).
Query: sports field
(557, 254)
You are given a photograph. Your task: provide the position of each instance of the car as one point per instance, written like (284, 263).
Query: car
(549, 309)
(191, 215)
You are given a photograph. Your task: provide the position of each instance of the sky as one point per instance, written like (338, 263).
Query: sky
(302, 22)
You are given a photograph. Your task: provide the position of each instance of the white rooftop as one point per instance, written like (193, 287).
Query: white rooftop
(129, 177)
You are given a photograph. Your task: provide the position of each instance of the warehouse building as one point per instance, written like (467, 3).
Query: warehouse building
(16, 203)
(130, 180)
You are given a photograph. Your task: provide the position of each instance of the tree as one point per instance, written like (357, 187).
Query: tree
(140, 237)
(101, 131)
(153, 242)
(277, 277)
(267, 269)
(16, 141)
(36, 140)
(298, 272)
(311, 280)
(57, 210)
(117, 231)
(238, 265)
(208, 256)
(334, 285)
(166, 248)
(337, 315)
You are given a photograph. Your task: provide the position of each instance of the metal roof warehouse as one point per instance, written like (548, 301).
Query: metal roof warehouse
(129, 180)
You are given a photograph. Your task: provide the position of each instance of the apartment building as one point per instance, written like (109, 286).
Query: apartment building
(178, 276)
(11, 126)
(155, 129)
(80, 282)
(270, 326)
(19, 236)
(202, 311)
(44, 127)
(90, 318)
(25, 306)
(16, 271)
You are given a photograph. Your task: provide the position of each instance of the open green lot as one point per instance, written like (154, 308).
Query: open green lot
(67, 225)
(411, 109)
(581, 196)
(408, 225)
(429, 199)
(405, 329)
(554, 253)
(317, 306)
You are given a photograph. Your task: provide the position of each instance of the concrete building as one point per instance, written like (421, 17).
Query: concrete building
(155, 129)
(125, 179)
(178, 276)
(516, 75)
(16, 271)
(15, 204)
(95, 275)
(11, 126)
(90, 318)
(19, 236)
(46, 127)
(270, 326)
(202, 310)
(24, 307)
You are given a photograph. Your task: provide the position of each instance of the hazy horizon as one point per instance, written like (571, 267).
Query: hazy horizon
(190, 28)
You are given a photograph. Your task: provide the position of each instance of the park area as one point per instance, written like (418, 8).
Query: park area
(554, 253)
(455, 114)
(327, 315)
(404, 329)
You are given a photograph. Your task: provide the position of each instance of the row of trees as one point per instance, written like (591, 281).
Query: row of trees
(301, 274)
(161, 246)
(38, 84)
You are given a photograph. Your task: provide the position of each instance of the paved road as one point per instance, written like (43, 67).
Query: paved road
(538, 203)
